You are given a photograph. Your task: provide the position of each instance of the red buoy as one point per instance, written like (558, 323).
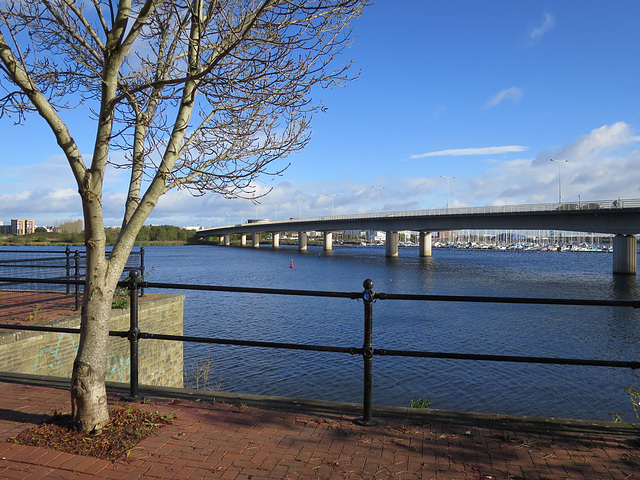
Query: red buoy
(291, 266)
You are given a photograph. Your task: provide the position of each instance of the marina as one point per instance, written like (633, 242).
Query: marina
(520, 246)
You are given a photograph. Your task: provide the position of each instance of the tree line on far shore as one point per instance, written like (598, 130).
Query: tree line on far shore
(148, 234)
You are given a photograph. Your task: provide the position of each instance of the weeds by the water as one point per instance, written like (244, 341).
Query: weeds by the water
(420, 403)
(634, 396)
(201, 373)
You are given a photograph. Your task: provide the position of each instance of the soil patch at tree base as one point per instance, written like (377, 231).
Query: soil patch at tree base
(127, 427)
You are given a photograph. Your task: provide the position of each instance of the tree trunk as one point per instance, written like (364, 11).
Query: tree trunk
(88, 392)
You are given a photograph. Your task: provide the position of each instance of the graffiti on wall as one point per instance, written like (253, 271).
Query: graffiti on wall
(51, 361)
(58, 361)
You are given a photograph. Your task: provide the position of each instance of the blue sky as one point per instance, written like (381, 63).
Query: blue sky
(482, 91)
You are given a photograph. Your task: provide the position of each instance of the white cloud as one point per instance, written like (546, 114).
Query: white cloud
(64, 194)
(592, 146)
(514, 94)
(602, 164)
(536, 33)
(602, 140)
(55, 169)
(473, 151)
(42, 204)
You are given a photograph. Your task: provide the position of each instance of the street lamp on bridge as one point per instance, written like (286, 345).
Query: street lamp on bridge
(332, 195)
(378, 188)
(447, 179)
(560, 162)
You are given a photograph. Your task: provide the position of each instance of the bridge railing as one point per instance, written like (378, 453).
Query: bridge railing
(367, 351)
(53, 264)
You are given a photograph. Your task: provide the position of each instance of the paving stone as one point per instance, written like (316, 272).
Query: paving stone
(211, 440)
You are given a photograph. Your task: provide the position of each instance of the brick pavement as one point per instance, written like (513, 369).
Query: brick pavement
(213, 440)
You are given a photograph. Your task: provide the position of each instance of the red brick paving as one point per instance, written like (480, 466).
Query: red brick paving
(34, 307)
(27, 308)
(228, 441)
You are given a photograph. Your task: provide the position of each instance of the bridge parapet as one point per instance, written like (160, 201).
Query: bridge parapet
(584, 206)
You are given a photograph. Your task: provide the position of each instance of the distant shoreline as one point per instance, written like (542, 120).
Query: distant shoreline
(62, 244)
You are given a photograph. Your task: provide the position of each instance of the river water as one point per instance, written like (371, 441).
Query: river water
(490, 387)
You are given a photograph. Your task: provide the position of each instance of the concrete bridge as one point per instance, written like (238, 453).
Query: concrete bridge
(619, 217)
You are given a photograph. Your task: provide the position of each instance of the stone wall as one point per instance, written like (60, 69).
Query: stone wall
(160, 361)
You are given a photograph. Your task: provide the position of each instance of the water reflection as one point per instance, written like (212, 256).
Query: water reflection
(624, 287)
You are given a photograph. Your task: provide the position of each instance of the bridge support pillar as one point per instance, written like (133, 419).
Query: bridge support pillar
(226, 240)
(625, 256)
(275, 236)
(391, 244)
(256, 239)
(425, 244)
(243, 240)
(302, 241)
(328, 241)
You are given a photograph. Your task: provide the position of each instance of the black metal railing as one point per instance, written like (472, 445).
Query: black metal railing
(368, 296)
(21, 265)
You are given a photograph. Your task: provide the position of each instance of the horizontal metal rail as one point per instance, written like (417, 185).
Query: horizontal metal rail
(40, 252)
(355, 295)
(32, 260)
(509, 358)
(266, 291)
(515, 300)
(350, 350)
(51, 281)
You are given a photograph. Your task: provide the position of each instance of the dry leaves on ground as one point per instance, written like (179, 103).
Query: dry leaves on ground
(128, 427)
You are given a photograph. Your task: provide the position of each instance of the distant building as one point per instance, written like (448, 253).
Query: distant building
(23, 227)
(18, 227)
(376, 236)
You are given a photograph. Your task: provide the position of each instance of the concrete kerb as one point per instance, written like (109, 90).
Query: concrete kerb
(527, 424)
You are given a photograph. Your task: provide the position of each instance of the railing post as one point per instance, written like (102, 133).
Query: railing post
(67, 252)
(76, 276)
(367, 355)
(134, 335)
(142, 270)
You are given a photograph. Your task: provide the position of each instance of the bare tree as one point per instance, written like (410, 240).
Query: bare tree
(200, 95)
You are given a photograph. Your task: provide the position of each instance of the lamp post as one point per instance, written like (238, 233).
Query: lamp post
(448, 179)
(332, 195)
(559, 177)
(299, 208)
(378, 188)
(275, 212)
